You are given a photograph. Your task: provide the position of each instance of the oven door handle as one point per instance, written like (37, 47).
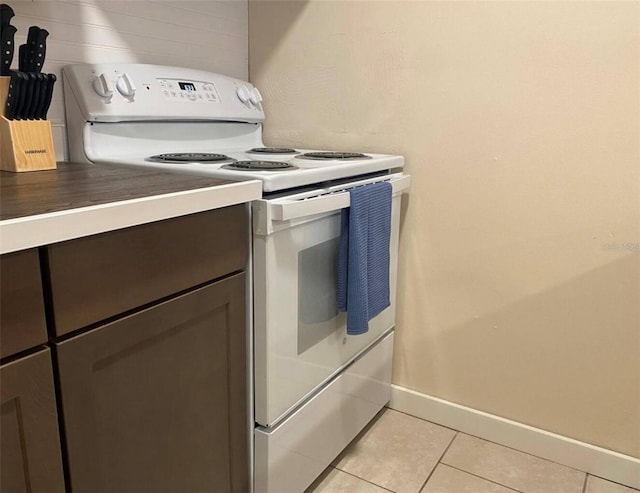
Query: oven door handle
(329, 200)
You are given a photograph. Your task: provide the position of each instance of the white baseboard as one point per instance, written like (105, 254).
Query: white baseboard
(598, 461)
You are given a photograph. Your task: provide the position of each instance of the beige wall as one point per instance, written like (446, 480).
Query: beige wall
(520, 271)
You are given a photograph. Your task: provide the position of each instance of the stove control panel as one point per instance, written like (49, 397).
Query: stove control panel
(189, 90)
(137, 92)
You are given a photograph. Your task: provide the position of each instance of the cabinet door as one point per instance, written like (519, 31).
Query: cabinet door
(31, 460)
(156, 401)
(22, 323)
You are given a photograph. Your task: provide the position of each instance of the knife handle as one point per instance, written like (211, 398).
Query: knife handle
(12, 96)
(40, 50)
(49, 96)
(6, 14)
(25, 97)
(23, 52)
(32, 39)
(19, 100)
(7, 40)
(38, 96)
(35, 79)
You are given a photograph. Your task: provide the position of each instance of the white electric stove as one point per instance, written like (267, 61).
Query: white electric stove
(315, 387)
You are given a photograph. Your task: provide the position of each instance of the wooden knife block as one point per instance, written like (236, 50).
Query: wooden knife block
(26, 145)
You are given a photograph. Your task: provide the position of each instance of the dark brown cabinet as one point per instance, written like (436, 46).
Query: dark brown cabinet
(30, 457)
(22, 322)
(149, 345)
(31, 461)
(156, 401)
(155, 398)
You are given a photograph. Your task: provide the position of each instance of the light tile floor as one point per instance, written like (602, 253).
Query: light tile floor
(399, 453)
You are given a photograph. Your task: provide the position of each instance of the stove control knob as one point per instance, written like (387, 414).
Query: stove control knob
(256, 97)
(102, 86)
(243, 94)
(125, 86)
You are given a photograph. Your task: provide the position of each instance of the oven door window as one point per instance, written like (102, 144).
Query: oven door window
(318, 315)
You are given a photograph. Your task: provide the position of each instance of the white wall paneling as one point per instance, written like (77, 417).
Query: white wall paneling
(209, 35)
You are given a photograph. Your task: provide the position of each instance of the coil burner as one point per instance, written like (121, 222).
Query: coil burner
(189, 157)
(341, 156)
(260, 166)
(272, 150)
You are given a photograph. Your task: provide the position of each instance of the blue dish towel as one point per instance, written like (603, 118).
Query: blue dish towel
(363, 255)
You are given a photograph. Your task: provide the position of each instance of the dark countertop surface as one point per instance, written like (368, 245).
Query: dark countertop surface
(41, 207)
(81, 185)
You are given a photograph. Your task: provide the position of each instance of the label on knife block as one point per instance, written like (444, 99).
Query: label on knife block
(26, 145)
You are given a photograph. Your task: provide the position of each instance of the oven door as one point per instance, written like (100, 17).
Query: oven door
(300, 337)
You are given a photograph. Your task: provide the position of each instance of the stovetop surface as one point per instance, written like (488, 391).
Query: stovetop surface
(304, 171)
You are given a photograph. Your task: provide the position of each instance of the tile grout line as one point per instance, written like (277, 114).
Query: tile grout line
(426, 420)
(632, 488)
(483, 478)
(527, 453)
(365, 480)
(584, 485)
(439, 461)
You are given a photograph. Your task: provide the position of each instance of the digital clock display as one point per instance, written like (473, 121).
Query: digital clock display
(187, 86)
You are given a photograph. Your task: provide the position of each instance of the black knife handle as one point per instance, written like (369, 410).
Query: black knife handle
(49, 96)
(40, 50)
(36, 83)
(23, 53)
(22, 90)
(25, 96)
(7, 34)
(12, 96)
(6, 14)
(25, 114)
(41, 89)
(32, 39)
(43, 82)
(7, 42)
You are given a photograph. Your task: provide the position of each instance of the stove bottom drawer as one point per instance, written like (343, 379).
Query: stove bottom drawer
(291, 455)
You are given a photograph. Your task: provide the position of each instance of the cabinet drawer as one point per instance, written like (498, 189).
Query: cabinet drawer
(156, 401)
(22, 322)
(31, 458)
(101, 276)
